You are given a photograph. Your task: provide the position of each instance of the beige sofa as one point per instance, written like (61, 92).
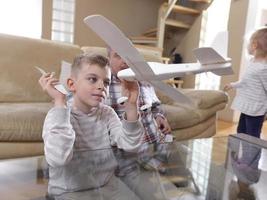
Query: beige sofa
(23, 105)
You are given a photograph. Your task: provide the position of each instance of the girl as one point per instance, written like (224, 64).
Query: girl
(251, 97)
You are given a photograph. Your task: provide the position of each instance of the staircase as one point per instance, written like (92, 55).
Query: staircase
(174, 17)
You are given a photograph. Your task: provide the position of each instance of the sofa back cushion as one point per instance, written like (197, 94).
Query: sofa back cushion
(19, 55)
(151, 54)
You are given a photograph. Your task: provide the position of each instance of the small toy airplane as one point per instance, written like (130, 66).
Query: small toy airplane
(209, 60)
(58, 86)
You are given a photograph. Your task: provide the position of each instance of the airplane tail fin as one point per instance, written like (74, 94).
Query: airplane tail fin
(216, 55)
(220, 43)
(207, 55)
(218, 52)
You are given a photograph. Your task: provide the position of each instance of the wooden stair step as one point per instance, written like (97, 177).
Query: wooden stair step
(183, 10)
(201, 1)
(176, 23)
(144, 39)
(151, 32)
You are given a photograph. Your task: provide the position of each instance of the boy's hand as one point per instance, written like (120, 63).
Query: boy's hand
(47, 83)
(130, 89)
(227, 87)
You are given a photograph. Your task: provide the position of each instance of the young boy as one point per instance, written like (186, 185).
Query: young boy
(87, 125)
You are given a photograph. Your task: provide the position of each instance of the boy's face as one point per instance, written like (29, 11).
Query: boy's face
(89, 86)
(116, 63)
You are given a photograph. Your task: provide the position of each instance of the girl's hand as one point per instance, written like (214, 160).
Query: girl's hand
(47, 83)
(227, 87)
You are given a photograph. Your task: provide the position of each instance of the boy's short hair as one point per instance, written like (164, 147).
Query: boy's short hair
(91, 59)
(260, 37)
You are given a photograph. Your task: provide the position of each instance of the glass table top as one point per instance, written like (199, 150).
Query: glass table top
(233, 167)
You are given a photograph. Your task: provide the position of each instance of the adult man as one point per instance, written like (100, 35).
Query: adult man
(154, 122)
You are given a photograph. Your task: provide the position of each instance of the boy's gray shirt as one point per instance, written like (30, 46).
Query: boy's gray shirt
(69, 135)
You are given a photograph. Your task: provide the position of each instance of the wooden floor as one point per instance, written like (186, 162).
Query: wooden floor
(226, 128)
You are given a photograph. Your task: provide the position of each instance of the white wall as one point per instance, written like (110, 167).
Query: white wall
(132, 16)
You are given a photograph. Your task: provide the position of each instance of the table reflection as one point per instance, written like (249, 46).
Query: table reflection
(233, 173)
(114, 174)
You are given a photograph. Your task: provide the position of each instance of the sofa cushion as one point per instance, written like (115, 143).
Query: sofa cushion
(20, 149)
(180, 116)
(204, 129)
(151, 54)
(22, 121)
(95, 50)
(203, 99)
(206, 98)
(207, 113)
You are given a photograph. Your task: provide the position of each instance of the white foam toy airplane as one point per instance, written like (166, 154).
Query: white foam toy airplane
(154, 73)
(60, 87)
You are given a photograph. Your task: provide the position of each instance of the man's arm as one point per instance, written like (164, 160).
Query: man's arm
(156, 110)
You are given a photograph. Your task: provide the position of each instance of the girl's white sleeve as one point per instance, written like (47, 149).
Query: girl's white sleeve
(126, 135)
(58, 136)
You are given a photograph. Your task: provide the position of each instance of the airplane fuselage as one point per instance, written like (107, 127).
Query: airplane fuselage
(167, 71)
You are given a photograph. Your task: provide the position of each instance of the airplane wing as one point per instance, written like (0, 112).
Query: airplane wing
(108, 32)
(167, 71)
(113, 37)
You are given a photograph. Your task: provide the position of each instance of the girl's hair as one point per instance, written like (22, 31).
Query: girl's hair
(91, 59)
(260, 38)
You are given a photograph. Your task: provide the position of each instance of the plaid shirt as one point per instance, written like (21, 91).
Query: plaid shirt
(147, 96)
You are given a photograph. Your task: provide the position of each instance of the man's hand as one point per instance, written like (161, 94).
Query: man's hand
(163, 125)
(47, 83)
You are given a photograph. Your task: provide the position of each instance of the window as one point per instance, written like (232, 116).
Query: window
(23, 18)
(63, 20)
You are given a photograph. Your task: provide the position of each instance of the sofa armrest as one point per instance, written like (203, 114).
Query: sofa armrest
(203, 99)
